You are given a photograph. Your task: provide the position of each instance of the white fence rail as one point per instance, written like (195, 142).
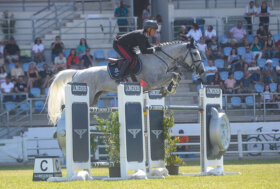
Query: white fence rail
(22, 149)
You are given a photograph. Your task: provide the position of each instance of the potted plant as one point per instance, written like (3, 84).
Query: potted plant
(110, 127)
(94, 141)
(8, 24)
(172, 160)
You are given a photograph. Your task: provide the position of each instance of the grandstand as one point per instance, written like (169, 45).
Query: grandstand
(94, 20)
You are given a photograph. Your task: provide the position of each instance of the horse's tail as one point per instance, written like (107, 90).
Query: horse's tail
(56, 95)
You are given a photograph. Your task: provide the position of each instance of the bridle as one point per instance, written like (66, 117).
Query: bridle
(195, 62)
(181, 63)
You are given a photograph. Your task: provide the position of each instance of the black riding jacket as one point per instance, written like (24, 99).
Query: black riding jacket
(134, 39)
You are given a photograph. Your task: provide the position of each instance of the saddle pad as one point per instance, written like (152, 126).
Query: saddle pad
(113, 69)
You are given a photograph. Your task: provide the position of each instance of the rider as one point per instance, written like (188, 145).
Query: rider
(125, 44)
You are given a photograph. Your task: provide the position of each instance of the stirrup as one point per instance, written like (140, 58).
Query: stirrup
(123, 79)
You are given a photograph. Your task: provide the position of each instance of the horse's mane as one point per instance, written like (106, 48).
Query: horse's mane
(170, 43)
(167, 44)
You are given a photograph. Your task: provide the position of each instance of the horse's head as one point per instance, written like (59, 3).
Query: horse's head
(193, 59)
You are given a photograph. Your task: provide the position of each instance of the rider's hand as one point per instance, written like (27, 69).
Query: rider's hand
(157, 48)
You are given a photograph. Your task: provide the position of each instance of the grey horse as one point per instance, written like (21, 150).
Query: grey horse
(159, 70)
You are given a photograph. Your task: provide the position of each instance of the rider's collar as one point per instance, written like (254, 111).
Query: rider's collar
(146, 33)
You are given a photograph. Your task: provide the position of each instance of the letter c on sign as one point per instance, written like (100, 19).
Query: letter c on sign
(45, 167)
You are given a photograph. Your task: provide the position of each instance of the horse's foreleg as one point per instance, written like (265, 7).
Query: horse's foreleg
(174, 83)
(173, 79)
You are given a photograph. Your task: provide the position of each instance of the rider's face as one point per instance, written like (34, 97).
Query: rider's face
(153, 32)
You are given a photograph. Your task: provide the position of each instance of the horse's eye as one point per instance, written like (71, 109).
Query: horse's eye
(194, 53)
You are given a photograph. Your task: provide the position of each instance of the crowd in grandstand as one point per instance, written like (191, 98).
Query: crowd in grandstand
(19, 74)
(240, 61)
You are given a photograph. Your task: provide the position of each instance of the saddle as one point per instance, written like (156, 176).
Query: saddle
(133, 69)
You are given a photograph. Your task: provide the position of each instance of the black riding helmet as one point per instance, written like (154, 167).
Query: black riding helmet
(151, 24)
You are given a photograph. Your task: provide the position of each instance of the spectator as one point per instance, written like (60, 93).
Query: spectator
(267, 96)
(7, 87)
(210, 71)
(202, 47)
(146, 14)
(3, 75)
(182, 33)
(57, 47)
(73, 61)
(234, 60)
(248, 56)
(278, 46)
(254, 71)
(217, 80)
(237, 34)
(38, 50)
(195, 32)
(209, 34)
(196, 79)
(278, 72)
(122, 12)
(182, 139)
(277, 96)
(45, 76)
(17, 71)
(20, 87)
(214, 50)
(250, 11)
(2, 61)
(263, 13)
(33, 77)
(2, 48)
(262, 33)
(267, 72)
(59, 63)
(13, 80)
(245, 83)
(230, 84)
(12, 51)
(81, 49)
(157, 35)
(246, 42)
(269, 47)
(256, 48)
(87, 59)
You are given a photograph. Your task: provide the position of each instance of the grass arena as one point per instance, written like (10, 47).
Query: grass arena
(255, 174)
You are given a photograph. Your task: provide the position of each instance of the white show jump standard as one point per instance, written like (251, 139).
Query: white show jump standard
(131, 118)
(214, 129)
(77, 122)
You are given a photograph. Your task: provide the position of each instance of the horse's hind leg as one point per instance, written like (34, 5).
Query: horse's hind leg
(96, 98)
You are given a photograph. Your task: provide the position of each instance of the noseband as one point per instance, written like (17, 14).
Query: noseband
(195, 62)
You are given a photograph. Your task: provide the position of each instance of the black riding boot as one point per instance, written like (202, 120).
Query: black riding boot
(122, 71)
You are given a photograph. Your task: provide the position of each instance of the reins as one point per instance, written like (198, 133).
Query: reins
(175, 60)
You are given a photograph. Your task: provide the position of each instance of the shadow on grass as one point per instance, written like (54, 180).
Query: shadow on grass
(16, 167)
(186, 163)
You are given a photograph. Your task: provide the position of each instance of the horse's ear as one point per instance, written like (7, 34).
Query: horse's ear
(192, 42)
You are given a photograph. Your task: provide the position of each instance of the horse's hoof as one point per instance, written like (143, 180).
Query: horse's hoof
(173, 92)
(164, 92)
